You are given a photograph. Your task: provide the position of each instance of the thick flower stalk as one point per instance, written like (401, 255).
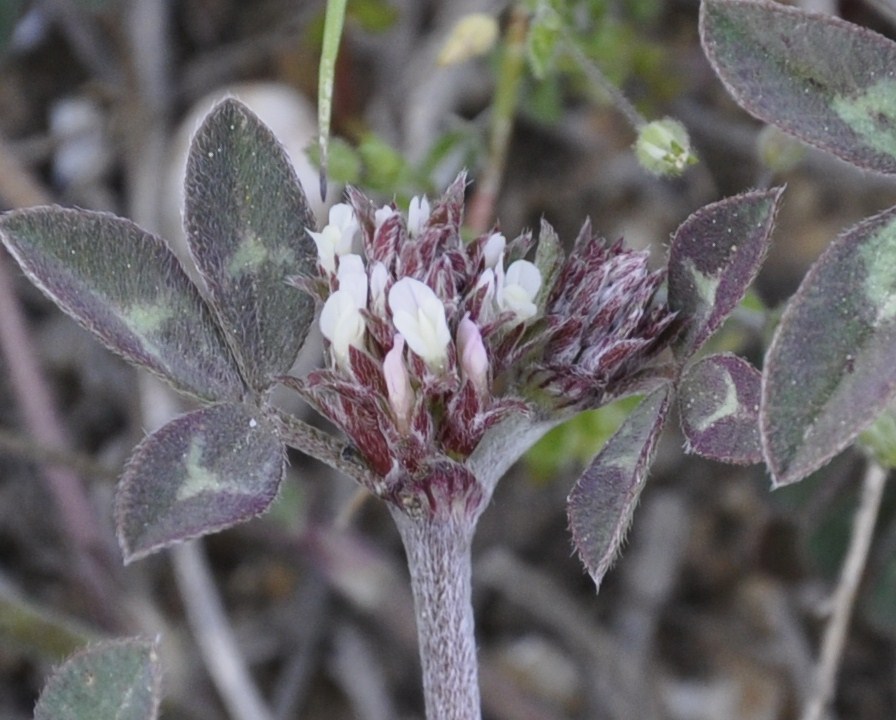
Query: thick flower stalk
(432, 342)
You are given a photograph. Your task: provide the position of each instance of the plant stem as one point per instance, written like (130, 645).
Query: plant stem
(507, 94)
(214, 636)
(438, 554)
(845, 595)
(322, 446)
(600, 81)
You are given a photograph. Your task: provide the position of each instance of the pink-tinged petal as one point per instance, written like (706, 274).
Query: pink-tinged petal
(398, 385)
(472, 355)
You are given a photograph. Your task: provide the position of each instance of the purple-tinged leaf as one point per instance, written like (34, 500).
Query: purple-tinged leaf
(247, 220)
(824, 80)
(202, 472)
(830, 368)
(601, 504)
(714, 257)
(127, 287)
(118, 679)
(718, 400)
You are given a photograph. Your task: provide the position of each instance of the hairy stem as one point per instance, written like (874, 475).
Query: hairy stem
(438, 554)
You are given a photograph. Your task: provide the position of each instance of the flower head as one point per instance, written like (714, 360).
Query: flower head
(433, 341)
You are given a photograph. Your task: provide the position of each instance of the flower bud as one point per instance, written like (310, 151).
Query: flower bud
(664, 148)
(472, 355)
(418, 215)
(398, 385)
(493, 250)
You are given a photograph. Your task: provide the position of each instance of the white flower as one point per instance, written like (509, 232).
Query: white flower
(420, 317)
(379, 276)
(342, 324)
(471, 354)
(353, 278)
(518, 287)
(398, 385)
(382, 214)
(493, 250)
(337, 236)
(418, 215)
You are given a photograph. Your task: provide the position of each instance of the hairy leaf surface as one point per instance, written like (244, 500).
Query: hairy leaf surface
(714, 257)
(202, 472)
(824, 80)
(247, 220)
(601, 504)
(127, 287)
(718, 400)
(830, 368)
(112, 680)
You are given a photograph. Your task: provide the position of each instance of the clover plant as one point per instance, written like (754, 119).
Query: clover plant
(445, 359)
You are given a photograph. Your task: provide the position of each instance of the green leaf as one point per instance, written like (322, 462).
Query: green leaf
(879, 439)
(824, 80)
(113, 680)
(714, 257)
(384, 167)
(601, 504)
(829, 371)
(38, 632)
(202, 472)
(247, 221)
(126, 286)
(541, 42)
(344, 161)
(578, 440)
(719, 406)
